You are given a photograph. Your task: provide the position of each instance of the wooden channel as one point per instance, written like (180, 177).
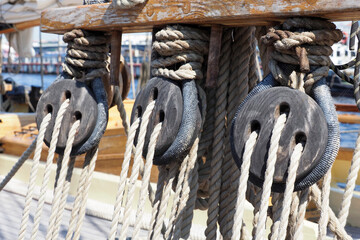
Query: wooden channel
(205, 12)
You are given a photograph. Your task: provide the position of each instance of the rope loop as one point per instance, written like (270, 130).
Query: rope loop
(302, 47)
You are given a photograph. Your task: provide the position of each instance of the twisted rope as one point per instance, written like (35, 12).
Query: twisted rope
(127, 4)
(218, 138)
(56, 212)
(268, 180)
(245, 166)
(18, 164)
(49, 161)
(33, 175)
(350, 184)
(309, 47)
(135, 168)
(146, 178)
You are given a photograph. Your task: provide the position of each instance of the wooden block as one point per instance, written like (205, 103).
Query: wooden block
(207, 12)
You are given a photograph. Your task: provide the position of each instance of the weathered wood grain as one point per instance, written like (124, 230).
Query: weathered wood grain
(226, 12)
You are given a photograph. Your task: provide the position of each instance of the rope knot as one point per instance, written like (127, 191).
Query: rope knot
(301, 50)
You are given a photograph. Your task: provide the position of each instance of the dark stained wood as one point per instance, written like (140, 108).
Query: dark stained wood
(169, 101)
(346, 108)
(214, 56)
(115, 57)
(80, 102)
(206, 12)
(263, 109)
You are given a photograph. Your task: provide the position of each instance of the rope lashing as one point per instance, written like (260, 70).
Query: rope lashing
(310, 44)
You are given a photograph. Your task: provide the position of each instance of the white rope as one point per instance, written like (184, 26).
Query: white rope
(123, 176)
(173, 167)
(56, 212)
(270, 169)
(289, 189)
(157, 200)
(245, 166)
(135, 168)
(303, 201)
(350, 184)
(87, 183)
(324, 214)
(49, 161)
(33, 175)
(146, 178)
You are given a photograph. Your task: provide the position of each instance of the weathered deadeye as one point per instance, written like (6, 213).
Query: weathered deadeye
(192, 125)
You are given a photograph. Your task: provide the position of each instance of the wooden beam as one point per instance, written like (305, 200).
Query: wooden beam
(115, 57)
(346, 108)
(21, 26)
(207, 12)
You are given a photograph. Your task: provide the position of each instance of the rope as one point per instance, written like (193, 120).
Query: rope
(245, 166)
(126, 4)
(305, 48)
(135, 168)
(350, 184)
(56, 212)
(18, 164)
(78, 211)
(289, 189)
(33, 175)
(146, 178)
(49, 161)
(218, 138)
(122, 181)
(268, 180)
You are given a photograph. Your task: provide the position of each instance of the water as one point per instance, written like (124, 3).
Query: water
(27, 79)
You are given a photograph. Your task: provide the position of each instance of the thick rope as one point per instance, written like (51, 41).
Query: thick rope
(33, 175)
(268, 180)
(245, 166)
(218, 137)
(49, 161)
(55, 211)
(238, 89)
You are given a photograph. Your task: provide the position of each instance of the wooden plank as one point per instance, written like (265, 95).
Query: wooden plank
(115, 57)
(21, 26)
(349, 118)
(226, 12)
(346, 108)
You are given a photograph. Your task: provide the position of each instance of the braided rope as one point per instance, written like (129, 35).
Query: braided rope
(33, 175)
(55, 211)
(303, 201)
(268, 180)
(49, 161)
